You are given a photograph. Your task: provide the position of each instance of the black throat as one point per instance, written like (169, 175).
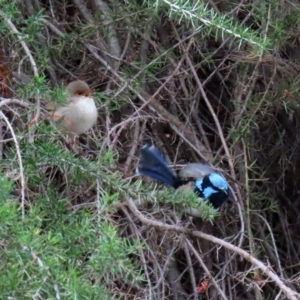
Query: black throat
(216, 199)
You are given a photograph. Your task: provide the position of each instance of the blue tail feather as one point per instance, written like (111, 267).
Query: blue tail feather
(206, 183)
(153, 164)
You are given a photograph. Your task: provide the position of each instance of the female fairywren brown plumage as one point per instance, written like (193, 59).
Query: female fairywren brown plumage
(80, 113)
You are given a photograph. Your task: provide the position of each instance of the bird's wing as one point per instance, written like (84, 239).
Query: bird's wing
(195, 170)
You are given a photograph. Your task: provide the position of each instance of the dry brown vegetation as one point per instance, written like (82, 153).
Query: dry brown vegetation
(196, 93)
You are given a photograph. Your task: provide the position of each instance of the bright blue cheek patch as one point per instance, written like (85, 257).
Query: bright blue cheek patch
(207, 192)
(198, 184)
(218, 181)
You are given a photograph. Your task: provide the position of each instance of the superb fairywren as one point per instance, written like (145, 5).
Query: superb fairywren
(206, 183)
(80, 113)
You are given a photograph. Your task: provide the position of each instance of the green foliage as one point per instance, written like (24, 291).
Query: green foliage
(181, 200)
(111, 257)
(9, 8)
(198, 16)
(112, 103)
(58, 95)
(55, 251)
(67, 244)
(6, 187)
(38, 87)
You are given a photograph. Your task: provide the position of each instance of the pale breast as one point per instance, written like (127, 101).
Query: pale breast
(79, 116)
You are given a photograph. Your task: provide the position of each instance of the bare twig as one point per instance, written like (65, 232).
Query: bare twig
(147, 99)
(142, 255)
(83, 10)
(5, 101)
(190, 246)
(114, 45)
(173, 275)
(137, 137)
(18, 152)
(52, 27)
(274, 244)
(290, 294)
(24, 45)
(37, 294)
(190, 268)
(33, 65)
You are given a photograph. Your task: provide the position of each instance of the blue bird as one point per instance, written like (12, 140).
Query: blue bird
(206, 183)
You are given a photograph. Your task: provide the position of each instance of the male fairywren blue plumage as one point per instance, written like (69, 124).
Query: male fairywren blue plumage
(206, 183)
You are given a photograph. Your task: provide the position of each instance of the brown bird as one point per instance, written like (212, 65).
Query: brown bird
(80, 114)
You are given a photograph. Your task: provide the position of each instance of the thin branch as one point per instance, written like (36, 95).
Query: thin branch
(191, 247)
(173, 275)
(84, 11)
(114, 45)
(290, 294)
(5, 101)
(20, 163)
(24, 45)
(134, 144)
(52, 27)
(33, 65)
(190, 268)
(277, 260)
(147, 99)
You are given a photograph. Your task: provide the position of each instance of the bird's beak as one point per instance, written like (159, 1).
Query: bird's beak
(226, 191)
(86, 93)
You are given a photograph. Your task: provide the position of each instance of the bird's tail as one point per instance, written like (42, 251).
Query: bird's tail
(153, 164)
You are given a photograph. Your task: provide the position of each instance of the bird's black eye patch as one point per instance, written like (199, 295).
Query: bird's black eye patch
(205, 189)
